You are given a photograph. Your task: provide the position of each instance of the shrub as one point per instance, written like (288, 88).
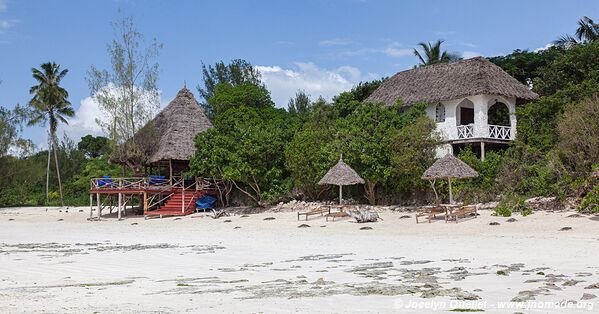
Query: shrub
(503, 211)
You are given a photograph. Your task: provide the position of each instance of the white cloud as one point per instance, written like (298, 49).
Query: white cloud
(470, 54)
(543, 48)
(396, 52)
(306, 76)
(6, 24)
(393, 49)
(334, 42)
(84, 120)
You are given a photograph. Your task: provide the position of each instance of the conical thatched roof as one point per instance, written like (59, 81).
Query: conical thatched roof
(176, 127)
(341, 174)
(448, 81)
(449, 167)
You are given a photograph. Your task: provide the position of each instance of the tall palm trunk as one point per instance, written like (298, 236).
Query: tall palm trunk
(58, 171)
(48, 171)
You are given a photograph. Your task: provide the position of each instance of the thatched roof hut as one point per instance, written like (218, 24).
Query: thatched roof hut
(341, 174)
(434, 83)
(176, 127)
(449, 167)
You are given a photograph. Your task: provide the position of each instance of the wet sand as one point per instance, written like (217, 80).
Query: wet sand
(55, 261)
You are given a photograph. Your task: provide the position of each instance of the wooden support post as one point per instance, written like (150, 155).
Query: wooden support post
(450, 193)
(482, 151)
(145, 203)
(340, 194)
(99, 204)
(183, 200)
(170, 167)
(91, 205)
(120, 207)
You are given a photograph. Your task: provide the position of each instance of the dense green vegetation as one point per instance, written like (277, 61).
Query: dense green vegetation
(266, 155)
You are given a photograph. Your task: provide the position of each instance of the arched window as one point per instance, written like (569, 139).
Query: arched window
(440, 113)
(499, 114)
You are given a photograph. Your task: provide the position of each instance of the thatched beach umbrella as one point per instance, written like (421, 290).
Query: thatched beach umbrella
(449, 168)
(341, 174)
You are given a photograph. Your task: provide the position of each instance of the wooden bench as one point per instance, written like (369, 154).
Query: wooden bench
(339, 214)
(430, 213)
(463, 212)
(320, 210)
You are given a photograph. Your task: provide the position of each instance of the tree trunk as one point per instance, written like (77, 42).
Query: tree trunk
(48, 171)
(58, 172)
(371, 192)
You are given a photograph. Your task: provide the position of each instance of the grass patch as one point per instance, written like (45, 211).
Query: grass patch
(501, 273)
(183, 285)
(467, 310)
(541, 273)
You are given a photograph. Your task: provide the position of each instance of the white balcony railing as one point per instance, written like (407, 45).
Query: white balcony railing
(500, 132)
(465, 131)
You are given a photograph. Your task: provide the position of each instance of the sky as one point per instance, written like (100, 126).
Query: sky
(322, 47)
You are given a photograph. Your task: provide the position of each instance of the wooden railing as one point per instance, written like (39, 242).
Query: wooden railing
(118, 183)
(500, 132)
(465, 131)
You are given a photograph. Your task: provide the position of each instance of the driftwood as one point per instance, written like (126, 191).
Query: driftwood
(219, 213)
(363, 215)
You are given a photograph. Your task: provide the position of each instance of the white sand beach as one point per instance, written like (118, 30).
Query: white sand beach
(55, 261)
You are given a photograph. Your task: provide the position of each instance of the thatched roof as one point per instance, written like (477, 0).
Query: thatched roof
(449, 167)
(341, 174)
(176, 127)
(433, 83)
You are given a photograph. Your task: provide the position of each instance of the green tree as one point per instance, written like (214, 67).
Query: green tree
(526, 66)
(578, 130)
(94, 146)
(128, 93)
(237, 72)
(10, 128)
(50, 105)
(300, 104)
(587, 31)
(246, 147)
(227, 96)
(433, 54)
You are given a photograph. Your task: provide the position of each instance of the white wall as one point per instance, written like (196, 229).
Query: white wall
(482, 103)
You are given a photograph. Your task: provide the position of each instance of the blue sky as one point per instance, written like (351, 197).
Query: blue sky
(322, 47)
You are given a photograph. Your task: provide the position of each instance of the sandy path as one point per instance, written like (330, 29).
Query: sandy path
(197, 264)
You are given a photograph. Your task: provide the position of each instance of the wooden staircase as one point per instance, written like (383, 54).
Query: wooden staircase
(174, 207)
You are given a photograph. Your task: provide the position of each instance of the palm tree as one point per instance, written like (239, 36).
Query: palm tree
(50, 105)
(587, 31)
(433, 54)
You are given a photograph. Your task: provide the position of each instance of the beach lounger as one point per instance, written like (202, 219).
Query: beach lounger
(105, 182)
(462, 212)
(430, 213)
(320, 210)
(157, 180)
(334, 215)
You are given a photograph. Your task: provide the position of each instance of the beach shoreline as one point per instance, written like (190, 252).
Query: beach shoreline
(58, 261)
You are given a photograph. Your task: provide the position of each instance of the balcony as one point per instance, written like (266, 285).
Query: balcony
(493, 132)
(500, 132)
(465, 131)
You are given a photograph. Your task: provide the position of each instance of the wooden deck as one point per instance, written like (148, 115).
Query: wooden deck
(171, 197)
